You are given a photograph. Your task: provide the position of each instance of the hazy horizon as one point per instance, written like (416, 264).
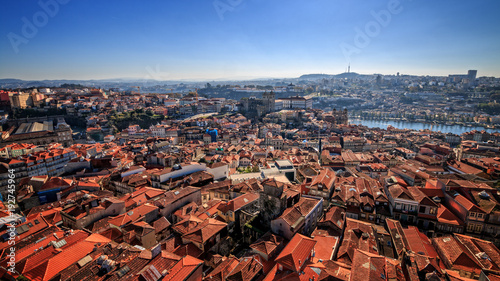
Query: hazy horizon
(245, 39)
(223, 79)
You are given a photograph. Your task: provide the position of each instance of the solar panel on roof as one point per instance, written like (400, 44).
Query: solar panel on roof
(22, 229)
(122, 271)
(317, 270)
(59, 244)
(81, 263)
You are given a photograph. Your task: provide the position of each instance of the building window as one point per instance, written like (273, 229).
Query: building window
(422, 209)
(470, 227)
(479, 215)
(432, 211)
(479, 228)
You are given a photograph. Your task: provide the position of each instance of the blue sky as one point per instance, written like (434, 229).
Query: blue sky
(245, 38)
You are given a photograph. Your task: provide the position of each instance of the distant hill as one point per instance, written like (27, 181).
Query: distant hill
(328, 76)
(315, 76)
(347, 75)
(10, 80)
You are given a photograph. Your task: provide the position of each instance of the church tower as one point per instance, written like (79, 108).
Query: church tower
(269, 101)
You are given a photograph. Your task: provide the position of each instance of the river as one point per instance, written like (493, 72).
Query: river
(455, 129)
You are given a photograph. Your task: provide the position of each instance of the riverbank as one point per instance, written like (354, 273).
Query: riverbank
(402, 124)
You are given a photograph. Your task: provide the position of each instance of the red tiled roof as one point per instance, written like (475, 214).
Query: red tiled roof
(357, 235)
(325, 247)
(246, 270)
(32, 225)
(368, 266)
(55, 264)
(222, 270)
(419, 243)
(477, 246)
(446, 216)
(466, 203)
(133, 215)
(161, 224)
(238, 202)
(300, 209)
(205, 230)
(267, 244)
(188, 249)
(183, 268)
(455, 255)
(296, 252)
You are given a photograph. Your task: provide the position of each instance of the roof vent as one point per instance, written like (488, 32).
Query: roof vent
(483, 255)
(365, 235)
(101, 259)
(436, 199)
(108, 265)
(484, 195)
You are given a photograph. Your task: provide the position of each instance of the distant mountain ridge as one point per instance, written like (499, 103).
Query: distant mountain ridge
(13, 83)
(328, 76)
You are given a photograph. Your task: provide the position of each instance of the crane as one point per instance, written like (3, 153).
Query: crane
(138, 88)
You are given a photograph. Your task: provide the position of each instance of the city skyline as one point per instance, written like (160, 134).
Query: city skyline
(245, 39)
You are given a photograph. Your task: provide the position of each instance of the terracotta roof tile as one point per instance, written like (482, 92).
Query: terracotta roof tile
(296, 252)
(246, 270)
(267, 244)
(183, 268)
(222, 270)
(368, 266)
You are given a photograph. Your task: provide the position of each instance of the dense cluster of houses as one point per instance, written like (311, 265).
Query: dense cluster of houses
(225, 198)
